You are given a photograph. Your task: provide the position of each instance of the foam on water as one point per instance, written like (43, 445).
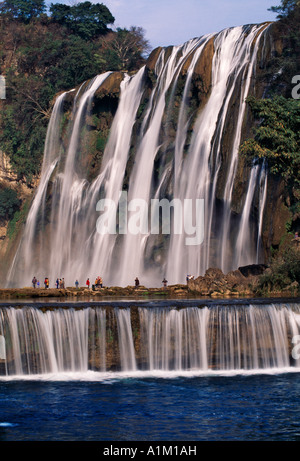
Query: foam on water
(109, 377)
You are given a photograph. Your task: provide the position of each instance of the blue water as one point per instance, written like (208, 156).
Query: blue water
(250, 407)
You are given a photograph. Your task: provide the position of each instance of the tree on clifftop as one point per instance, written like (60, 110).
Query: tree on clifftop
(286, 8)
(46, 52)
(84, 19)
(23, 9)
(123, 50)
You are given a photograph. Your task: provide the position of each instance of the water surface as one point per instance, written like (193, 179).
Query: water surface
(151, 407)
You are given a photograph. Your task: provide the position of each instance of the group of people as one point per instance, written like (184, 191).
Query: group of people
(60, 283)
(98, 282)
(36, 282)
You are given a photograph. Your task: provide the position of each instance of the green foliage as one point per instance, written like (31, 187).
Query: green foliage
(84, 19)
(9, 203)
(283, 271)
(23, 146)
(101, 142)
(18, 220)
(42, 56)
(276, 141)
(277, 137)
(286, 8)
(25, 10)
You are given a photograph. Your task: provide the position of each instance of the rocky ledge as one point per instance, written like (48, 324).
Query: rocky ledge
(173, 291)
(243, 282)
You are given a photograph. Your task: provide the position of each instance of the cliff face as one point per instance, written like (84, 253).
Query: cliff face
(11, 230)
(96, 132)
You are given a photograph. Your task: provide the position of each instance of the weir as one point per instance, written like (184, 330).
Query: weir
(175, 134)
(150, 337)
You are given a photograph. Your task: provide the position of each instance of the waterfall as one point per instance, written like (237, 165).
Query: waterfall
(232, 338)
(234, 58)
(161, 148)
(262, 202)
(149, 338)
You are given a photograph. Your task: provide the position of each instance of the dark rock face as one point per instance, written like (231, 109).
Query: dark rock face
(253, 269)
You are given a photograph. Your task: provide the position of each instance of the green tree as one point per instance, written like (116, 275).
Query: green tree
(9, 203)
(283, 271)
(276, 140)
(45, 61)
(286, 8)
(42, 56)
(84, 19)
(277, 137)
(23, 9)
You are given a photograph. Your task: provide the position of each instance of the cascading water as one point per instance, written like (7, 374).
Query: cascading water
(215, 337)
(61, 237)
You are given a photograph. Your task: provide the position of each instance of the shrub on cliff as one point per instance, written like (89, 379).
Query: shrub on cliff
(276, 140)
(9, 203)
(284, 271)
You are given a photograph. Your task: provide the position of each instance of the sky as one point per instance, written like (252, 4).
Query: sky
(173, 22)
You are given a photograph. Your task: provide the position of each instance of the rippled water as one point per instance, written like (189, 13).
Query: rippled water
(142, 407)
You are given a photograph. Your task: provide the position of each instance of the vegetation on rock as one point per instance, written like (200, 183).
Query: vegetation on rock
(283, 273)
(42, 55)
(277, 142)
(9, 203)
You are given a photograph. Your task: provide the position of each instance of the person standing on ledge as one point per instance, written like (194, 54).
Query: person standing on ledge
(137, 282)
(34, 281)
(88, 283)
(164, 282)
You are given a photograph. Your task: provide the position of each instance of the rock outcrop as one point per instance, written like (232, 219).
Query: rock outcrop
(215, 283)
